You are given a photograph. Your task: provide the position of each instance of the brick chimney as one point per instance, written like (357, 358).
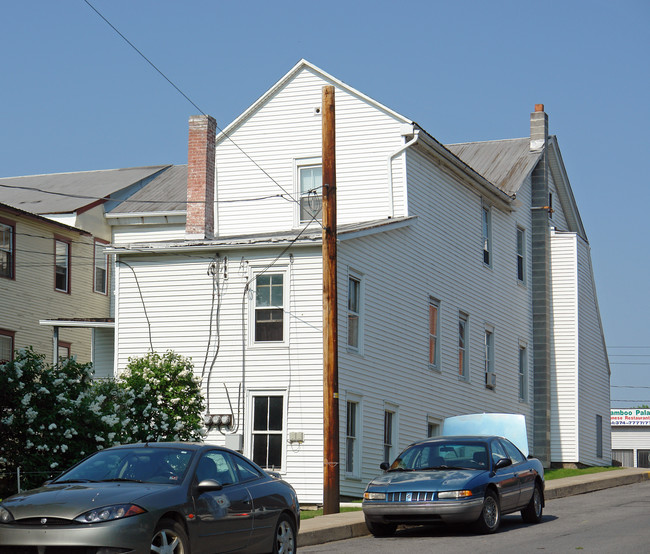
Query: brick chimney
(199, 223)
(538, 128)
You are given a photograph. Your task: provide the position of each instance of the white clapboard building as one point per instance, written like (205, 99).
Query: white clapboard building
(464, 284)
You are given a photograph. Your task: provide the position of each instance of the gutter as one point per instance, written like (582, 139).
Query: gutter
(407, 130)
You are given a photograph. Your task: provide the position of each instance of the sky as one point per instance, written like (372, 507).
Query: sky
(75, 96)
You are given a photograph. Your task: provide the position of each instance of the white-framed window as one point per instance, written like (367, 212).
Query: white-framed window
(355, 312)
(486, 226)
(488, 358)
(434, 427)
(62, 265)
(463, 346)
(101, 268)
(352, 436)
(521, 255)
(7, 249)
(269, 306)
(63, 350)
(390, 432)
(309, 181)
(268, 429)
(489, 350)
(6, 345)
(434, 334)
(523, 371)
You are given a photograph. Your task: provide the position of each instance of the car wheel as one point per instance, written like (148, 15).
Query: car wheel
(284, 540)
(533, 512)
(381, 529)
(490, 518)
(170, 538)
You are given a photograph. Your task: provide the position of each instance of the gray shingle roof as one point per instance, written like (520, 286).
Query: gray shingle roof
(166, 192)
(68, 192)
(505, 163)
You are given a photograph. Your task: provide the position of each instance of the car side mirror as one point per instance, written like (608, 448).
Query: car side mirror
(502, 462)
(208, 485)
(384, 466)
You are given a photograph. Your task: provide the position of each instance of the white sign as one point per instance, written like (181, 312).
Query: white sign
(631, 416)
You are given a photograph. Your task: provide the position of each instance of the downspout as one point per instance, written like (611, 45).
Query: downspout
(391, 202)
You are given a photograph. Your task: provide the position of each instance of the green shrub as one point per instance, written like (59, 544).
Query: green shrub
(53, 416)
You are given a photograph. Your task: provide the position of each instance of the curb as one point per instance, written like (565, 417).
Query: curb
(606, 482)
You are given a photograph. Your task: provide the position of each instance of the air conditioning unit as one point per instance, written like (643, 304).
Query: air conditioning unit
(490, 380)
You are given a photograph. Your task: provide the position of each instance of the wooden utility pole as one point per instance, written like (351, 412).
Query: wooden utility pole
(331, 469)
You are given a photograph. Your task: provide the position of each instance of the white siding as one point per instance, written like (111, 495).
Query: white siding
(126, 234)
(581, 377)
(565, 351)
(594, 385)
(286, 129)
(173, 305)
(439, 256)
(103, 349)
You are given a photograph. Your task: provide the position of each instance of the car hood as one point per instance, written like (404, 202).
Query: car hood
(438, 479)
(68, 500)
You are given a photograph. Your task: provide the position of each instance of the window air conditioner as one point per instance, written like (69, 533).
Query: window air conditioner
(490, 380)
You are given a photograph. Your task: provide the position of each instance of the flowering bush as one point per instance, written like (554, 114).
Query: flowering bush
(53, 416)
(50, 416)
(163, 400)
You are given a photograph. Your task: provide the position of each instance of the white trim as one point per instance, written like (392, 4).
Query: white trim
(248, 437)
(254, 271)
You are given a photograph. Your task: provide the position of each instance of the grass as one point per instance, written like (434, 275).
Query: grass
(550, 474)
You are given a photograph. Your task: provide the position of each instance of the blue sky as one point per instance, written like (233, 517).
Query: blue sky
(74, 96)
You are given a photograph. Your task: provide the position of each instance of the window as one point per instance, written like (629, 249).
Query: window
(269, 307)
(354, 312)
(599, 436)
(433, 429)
(550, 205)
(462, 346)
(101, 268)
(7, 250)
(268, 416)
(521, 255)
(388, 435)
(523, 371)
(311, 195)
(351, 439)
(513, 452)
(434, 343)
(218, 466)
(487, 235)
(489, 351)
(62, 265)
(64, 350)
(6, 345)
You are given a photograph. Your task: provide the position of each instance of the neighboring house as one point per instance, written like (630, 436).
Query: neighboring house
(52, 276)
(631, 436)
(58, 221)
(464, 273)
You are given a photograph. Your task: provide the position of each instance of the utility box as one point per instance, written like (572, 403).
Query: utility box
(235, 442)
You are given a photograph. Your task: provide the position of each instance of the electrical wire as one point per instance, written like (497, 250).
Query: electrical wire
(190, 101)
(144, 307)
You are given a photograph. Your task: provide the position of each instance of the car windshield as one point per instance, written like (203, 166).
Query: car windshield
(140, 465)
(442, 455)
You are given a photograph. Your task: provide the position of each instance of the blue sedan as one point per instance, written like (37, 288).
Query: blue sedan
(455, 479)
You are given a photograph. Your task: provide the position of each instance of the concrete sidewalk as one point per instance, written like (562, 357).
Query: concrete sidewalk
(347, 525)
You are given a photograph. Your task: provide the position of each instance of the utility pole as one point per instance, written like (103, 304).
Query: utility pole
(331, 469)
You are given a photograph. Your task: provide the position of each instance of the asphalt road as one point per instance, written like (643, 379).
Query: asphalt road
(615, 520)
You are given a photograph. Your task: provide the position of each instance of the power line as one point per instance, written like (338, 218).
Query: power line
(190, 101)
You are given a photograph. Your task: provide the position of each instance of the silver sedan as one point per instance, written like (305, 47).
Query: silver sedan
(169, 498)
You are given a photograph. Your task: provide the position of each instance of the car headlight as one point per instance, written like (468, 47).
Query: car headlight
(374, 495)
(5, 515)
(454, 495)
(109, 513)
